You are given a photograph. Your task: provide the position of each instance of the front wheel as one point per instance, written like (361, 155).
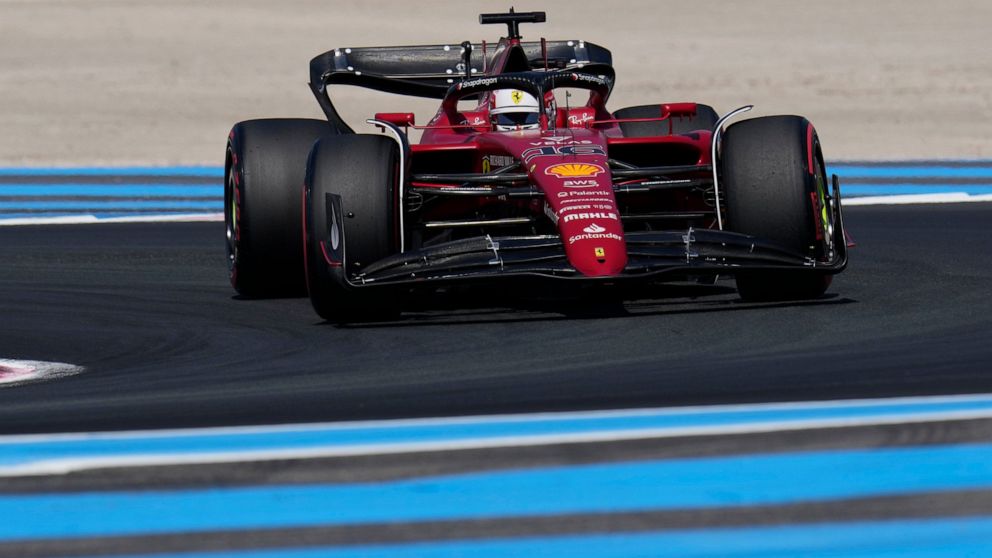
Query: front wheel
(349, 215)
(774, 180)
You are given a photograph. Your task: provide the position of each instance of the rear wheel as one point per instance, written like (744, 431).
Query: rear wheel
(704, 119)
(360, 173)
(264, 168)
(774, 180)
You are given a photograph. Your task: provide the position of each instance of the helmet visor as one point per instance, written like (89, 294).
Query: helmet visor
(514, 119)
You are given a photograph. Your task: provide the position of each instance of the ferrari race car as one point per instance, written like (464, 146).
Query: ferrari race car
(517, 176)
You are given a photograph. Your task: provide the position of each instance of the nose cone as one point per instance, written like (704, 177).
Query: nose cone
(573, 172)
(580, 196)
(594, 242)
(579, 193)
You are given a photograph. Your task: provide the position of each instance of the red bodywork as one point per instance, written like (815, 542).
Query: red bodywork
(567, 159)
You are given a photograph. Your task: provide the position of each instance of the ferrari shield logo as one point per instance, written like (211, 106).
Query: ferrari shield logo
(600, 252)
(517, 96)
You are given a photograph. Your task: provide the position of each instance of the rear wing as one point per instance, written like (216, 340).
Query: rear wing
(429, 70)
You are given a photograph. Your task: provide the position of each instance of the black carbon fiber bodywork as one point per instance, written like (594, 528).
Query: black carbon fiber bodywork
(429, 70)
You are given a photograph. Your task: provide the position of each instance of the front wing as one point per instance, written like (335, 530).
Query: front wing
(654, 255)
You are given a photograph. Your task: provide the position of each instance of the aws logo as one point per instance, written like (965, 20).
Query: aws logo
(585, 183)
(575, 170)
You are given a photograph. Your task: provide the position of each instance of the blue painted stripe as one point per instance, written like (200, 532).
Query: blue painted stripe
(980, 167)
(102, 209)
(192, 213)
(743, 480)
(213, 205)
(19, 450)
(911, 171)
(42, 215)
(116, 190)
(855, 189)
(913, 162)
(937, 538)
(215, 190)
(936, 170)
(977, 168)
(200, 171)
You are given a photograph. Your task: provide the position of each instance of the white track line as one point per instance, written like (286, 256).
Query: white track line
(61, 466)
(486, 419)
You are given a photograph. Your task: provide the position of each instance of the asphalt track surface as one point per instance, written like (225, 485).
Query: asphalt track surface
(147, 310)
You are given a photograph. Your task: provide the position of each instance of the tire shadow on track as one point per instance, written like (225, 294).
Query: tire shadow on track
(471, 306)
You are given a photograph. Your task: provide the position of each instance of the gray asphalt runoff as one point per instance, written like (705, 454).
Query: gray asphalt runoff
(166, 343)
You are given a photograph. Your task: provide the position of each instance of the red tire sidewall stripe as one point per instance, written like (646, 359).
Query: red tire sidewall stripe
(303, 220)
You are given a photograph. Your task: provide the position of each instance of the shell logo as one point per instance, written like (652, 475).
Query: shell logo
(575, 170)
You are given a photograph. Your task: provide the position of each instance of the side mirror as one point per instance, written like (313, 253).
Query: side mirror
(679, 109)
(396, 118)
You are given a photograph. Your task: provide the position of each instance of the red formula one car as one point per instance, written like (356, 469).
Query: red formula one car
(523, 172)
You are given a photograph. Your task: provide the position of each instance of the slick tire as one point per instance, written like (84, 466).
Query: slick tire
(770, 168)
(705, 119)
(263, 173)
(361, 173)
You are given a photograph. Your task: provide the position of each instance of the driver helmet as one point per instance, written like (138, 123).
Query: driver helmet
(514, 110)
